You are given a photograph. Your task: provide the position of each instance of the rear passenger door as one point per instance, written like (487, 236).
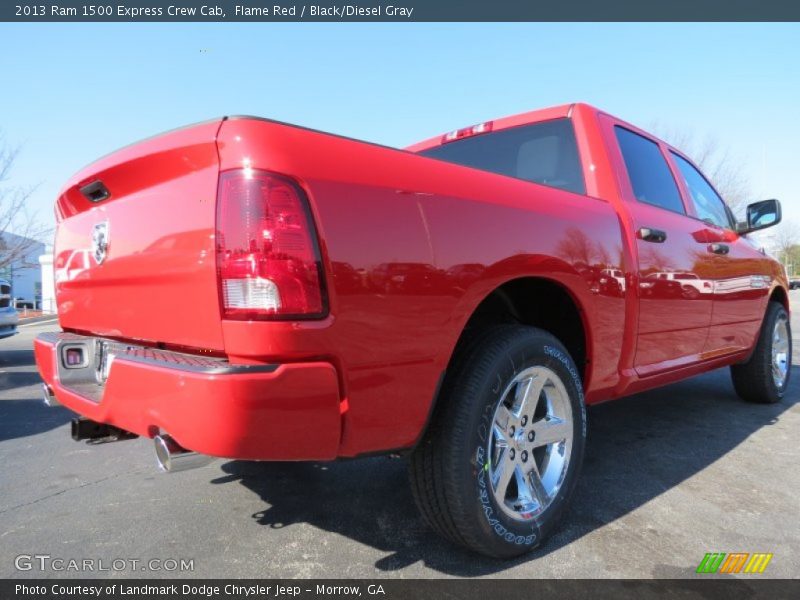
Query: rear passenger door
(740, 274)
(675, 300)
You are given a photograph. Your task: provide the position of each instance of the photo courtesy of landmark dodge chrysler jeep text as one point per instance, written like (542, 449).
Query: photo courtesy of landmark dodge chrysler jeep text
(252, 290)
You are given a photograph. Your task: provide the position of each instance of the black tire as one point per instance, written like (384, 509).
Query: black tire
(753, 380)
(450, 469)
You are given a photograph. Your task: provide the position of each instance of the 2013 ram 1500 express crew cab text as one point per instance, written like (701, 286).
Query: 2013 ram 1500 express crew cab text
(248, 289)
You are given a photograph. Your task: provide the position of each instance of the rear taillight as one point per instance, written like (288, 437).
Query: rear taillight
(268, 261)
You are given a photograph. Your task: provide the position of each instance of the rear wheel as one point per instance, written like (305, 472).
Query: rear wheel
(499, 463)
(764, 377)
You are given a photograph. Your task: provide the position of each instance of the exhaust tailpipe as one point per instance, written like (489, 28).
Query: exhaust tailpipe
(49, 397)
(172, 457)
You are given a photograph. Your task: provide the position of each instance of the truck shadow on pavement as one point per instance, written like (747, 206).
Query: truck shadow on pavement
(638, 448)
(22, 412)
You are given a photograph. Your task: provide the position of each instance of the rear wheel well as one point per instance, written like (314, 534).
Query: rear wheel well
(536, 302)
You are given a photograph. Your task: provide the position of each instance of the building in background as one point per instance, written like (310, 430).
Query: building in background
(24, 273)
(48, 304)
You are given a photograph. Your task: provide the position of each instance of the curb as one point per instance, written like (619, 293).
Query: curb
(37, 320)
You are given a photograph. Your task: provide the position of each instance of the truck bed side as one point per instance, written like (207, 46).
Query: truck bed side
(411, 247)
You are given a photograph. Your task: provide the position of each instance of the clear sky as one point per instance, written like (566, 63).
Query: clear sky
(70, 93)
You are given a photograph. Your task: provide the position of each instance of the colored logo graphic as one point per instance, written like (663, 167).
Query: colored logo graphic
(735, 562)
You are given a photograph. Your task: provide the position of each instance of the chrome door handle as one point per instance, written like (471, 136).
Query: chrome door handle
(648, 234)
(719, 248)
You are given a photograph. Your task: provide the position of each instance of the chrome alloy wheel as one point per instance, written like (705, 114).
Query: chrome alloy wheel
(530, 443)
(780, 351)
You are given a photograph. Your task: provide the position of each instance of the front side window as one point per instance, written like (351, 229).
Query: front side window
(709, 206)
(545, 153)
(649, 174)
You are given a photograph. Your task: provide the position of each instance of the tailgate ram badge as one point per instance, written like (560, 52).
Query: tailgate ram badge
(100, 241)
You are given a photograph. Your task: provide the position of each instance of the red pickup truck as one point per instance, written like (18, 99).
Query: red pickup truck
(249, 289)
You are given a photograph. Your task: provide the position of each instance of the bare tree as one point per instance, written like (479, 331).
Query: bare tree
(20, 229)
(727, 173)
(786, 244)
(786, 235)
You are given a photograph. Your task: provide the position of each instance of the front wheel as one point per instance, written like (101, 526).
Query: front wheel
(499, 463)
(764, 377)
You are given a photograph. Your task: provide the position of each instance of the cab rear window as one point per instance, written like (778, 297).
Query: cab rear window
(545, 153)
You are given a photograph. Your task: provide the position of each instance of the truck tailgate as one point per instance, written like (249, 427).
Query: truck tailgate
(140, 263)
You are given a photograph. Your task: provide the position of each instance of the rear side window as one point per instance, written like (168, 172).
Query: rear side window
(545, 153)
(649, 174)
(707, 203)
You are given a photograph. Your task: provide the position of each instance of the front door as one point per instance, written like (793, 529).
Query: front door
(741, 275)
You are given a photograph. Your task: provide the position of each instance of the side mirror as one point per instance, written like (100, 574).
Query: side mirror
(761, 215)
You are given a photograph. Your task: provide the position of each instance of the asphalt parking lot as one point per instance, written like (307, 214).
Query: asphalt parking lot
(669, 475)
